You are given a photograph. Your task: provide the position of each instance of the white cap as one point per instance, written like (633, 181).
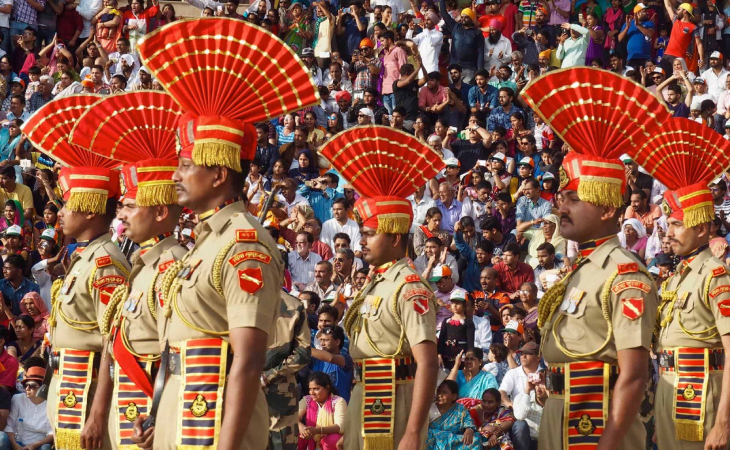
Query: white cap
(452, 162)
(715, 55)
(499, 156)
(49, 234)
(659, 70)
(187, 232)
(14, 230)
(527, 161)
(367, 112)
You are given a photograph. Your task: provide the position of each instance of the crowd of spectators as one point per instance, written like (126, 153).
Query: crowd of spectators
(486, 233)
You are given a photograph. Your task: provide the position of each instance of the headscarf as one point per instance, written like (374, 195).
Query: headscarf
(637, 226)
(654, 244)
(557, 238)
(538, 238)
(43, 313)
(19, 215)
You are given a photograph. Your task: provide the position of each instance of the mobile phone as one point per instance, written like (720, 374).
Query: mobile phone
(533, 378)
(482, 162)
(346, 10)
(309, 183)
(416, 20)
(580, 17)
(453, 130)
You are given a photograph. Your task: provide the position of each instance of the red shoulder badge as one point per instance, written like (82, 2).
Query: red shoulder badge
(724, 307)
(165, 265)
(251, 279)
(632, 308)
(420, 297)
(103, 261)
(628, 268)
(246, 236)
(249, 255)
(106, 286)
(719, 271)
(413, 278)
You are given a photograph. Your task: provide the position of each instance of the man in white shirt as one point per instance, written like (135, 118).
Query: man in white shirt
(428, 41)
(513, 384)
(303, 261)
(115, 58)
(477, 208)
(291, 198)
(715, 76)
(482, 327)
(340, 223)
(88, 9)
(420, 204)
(395, 5)
(497, 48)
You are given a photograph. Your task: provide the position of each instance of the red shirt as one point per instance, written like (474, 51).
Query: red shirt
(511, 280)
(68, 22)
(679, 41)
(9, 370)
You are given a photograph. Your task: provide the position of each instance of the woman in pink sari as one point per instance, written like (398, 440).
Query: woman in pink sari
(321, 415)
(34, 306)
(614, 20)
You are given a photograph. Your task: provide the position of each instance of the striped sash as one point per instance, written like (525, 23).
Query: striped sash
(692, 367)
(378, 384)
(76, 371)
(586, 404)
(129, 402)
(204, 363)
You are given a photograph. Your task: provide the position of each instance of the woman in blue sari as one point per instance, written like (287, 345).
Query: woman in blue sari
(472, 380)
(454, 428)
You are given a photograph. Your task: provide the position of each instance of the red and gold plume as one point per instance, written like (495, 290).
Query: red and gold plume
(138, 128)
(384, 166)
(685, 156)
(600, 115)
(228, 74)
(90, 179)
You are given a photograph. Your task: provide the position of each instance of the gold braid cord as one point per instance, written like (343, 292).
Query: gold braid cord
(167, 284)
(669, 302)
(551, 300)
(55, 292)
(113, 309)
(352, 316)
(151, 303)
(217, 272)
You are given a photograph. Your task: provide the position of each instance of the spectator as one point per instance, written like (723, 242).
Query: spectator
(638, 32)
(497, 365)
(329, 360)
(366, 68)
(32, 305)
(311, 302)
(442, 277)
(529, 404)
(393, 58)
(467, 42)
(351, 29)
(321, 413)
(472, 149)
(494, 420)
(421, 204)
(641, 210)
(573, 45)
(512, 272)
(431, 227)
(547, 266)
(25, 345)
(528, 299)
(49, 254)
(482, 97)
(685, 34)
(549, 234)
(477, 259)
(314, 227)
(28, 425)
(450, 208)
(342, 241)
(513, 385)
(500, 117)
(472, 380)
(6, 7)
(290, 152)
(266, 152)
(636, 179)
(344, 264)
(429, 41)
(454, 428)
(477, 205)
(679, 107)
(340, 223)
(433, 99)
(302, 261)
(334, 81)
(633, 237)
(70, 26)
(435, 255)
(42, 96)
(322, 284)
(531, 208)
(497, 48)
(457, 331)
(716, 76)
(369, 101)
(17, 109)
(285, 135)
(482, 326)
(492, 231)
(305, 169)
(9, 375)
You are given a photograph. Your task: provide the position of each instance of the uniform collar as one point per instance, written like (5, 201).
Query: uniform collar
(151, 256)
(695, 260)
(604, 247)
(91, 246)
(147, 245)
(392, 272)
(208, 214)
(219, 219)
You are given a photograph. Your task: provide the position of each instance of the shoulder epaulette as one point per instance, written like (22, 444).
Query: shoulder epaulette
(103, 261)
(628, 268)
(719, 271)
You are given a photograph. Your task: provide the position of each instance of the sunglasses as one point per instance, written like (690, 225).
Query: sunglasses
(332, 118)
(32, 386)
(362, 115)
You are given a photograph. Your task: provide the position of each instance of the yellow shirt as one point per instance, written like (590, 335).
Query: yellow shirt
(21, 193)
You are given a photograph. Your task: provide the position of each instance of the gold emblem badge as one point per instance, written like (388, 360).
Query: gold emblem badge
(585, 425)
(70, 400)
(131, 412)
(200, 406)
(666, 209)
(564, 178)
(689, 392)
(378, 407)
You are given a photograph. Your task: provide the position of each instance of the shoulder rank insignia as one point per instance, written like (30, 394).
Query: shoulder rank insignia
(632, 308)
(719, 271)
(246, 236)
(628, 268)
(249, 255)
(103, 261)
(251, 279)
(163, 266)
(413, 278)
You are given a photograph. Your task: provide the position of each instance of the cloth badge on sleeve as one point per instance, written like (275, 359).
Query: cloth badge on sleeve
(413, 278)
(724, 307)
(719, 290)
(627, 268)
(632, 308)
(631, 284)
(249, 255)
(251, 279)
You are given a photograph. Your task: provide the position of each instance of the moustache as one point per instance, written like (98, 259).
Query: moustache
(564, 217)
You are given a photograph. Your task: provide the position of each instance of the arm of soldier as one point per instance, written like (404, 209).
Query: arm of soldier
(92, 436)
(719, 300)
(300, 353)
(627, 396)
(418, 313)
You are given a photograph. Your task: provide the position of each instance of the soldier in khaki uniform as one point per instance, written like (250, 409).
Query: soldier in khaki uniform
(150, 213)
(693, 329)
(597, 322)
(392, 320)
(289, 353)
(222, 299)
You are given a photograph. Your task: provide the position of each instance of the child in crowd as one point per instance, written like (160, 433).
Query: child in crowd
(661, 43)
(497, 364)
(457, 331)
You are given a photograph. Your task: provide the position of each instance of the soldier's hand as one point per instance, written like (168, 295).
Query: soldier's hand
(143, 439)
(92, 436)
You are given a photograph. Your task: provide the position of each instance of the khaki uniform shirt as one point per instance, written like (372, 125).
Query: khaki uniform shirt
(140, 327)
(287, 354)
(632, 306)
(415, 304)
(86, 291)
(698, 307)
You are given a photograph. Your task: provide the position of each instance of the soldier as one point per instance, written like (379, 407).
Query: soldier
(222, 299)
(149, 213)
(693, 329)
(289, 353)
(90, 189)
(392, 320)
(596, 322)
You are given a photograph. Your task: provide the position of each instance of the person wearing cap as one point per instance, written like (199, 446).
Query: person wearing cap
(692, 337)
(637, 32)
(685, 34)
(436, 255)
(497, 48)
(429, 40)
(636, 179)
(600, 316)
(716, 76)
(468, 42)
(514, 382)
(700, 93)
(25, 427)
(48, 249)
(366, 68)
(457, 332)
